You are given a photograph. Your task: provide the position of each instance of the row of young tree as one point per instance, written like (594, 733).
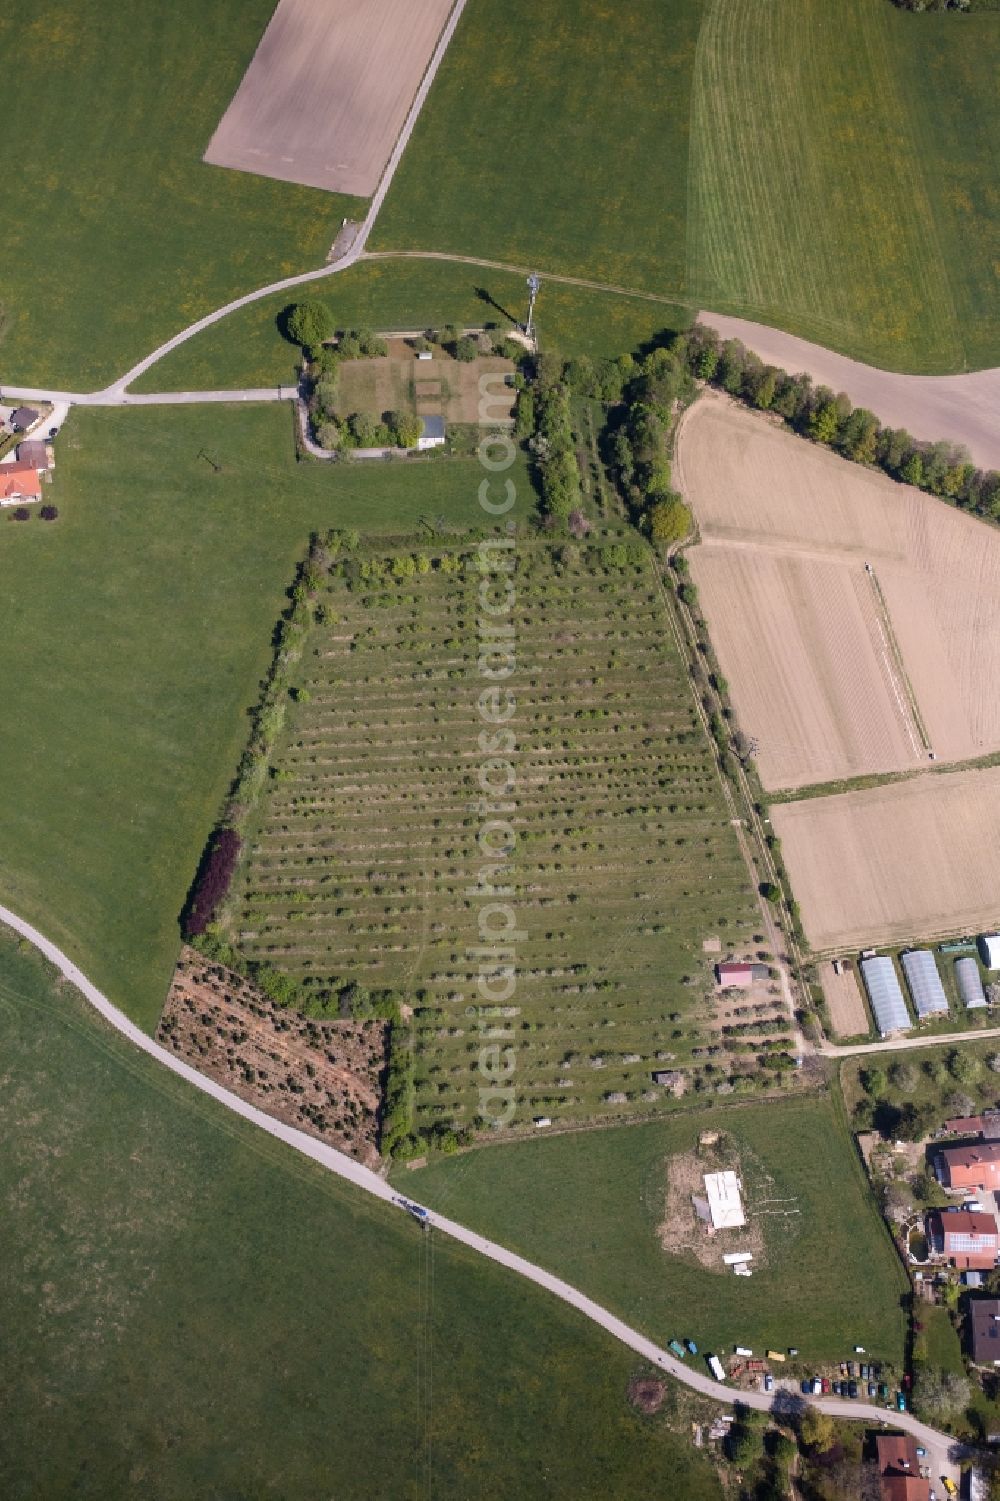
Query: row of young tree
(829, 418)
(931, 5)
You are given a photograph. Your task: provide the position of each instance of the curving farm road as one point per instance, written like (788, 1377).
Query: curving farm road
(941, 1449)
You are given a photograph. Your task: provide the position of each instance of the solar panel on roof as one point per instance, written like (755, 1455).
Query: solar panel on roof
(886, 997)
(924, 982)
(970, 986)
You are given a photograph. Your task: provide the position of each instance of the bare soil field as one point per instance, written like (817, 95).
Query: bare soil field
(837, 670)
(848, 1016)
(321, 1076)
(918, 857)
(961, 408)
(328, 91)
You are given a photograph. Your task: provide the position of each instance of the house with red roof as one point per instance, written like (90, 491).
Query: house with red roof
(899, 1468)
(965, 1237)
(18, 483)
(975, 1166)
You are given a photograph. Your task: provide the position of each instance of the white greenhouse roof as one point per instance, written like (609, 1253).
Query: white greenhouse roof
(724, 1202)
(989, 947)
(970, 986)
(924, 981)
(885, 995)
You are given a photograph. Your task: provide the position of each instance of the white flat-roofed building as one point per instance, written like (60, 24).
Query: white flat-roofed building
(989, 948)
(725, 1205)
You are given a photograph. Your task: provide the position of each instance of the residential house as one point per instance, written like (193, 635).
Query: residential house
(39, 455)
(899, 1468)
(965, 1237)
(22, 418)
(18, 483)
(984, 1326)
(975, 1166)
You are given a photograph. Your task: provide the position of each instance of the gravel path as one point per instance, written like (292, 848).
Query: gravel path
(939, 1446)
(961, 408)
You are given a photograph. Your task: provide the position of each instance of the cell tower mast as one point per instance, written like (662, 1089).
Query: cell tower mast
(534, 282)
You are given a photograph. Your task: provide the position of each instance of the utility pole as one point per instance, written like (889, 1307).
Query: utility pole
(534, 282)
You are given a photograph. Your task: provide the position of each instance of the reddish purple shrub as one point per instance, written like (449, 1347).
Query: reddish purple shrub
(49, 513)
(21, 514)
(579, 526)
(212, 881)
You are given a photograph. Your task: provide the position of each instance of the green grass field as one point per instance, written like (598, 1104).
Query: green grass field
(137, 629)
(248, 349)
(563, 143)
(115, 234)
(829, 167)
(366, 844)
(588, 1205)
(191, 1309)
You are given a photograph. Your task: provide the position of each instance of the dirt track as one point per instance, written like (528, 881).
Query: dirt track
(807, 637)
(879, 866)
(959, 408)
(328, 91)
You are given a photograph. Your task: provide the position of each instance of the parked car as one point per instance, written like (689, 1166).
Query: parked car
(843, 1367)
(836, 1388)
(864, 1371)
(900, 1402)
(826, 1385)
(852, 1388)
(850, 1368)
(806, 1387)
(817, 1386)
(768, 1382)
(921, 1452)
(883, 1390)
(872, 1389)
(53, 431)
(692, 1347)
(949, 1485)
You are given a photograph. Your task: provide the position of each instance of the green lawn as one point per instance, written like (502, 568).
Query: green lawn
(137, 628)
(247, 349)
(588, 1206)
(561, 141)
(826, 165)
(190, 1309)
(115, 234)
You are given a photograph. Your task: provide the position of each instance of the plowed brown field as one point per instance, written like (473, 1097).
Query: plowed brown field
(328, 91)
(836, 670)
(919, 858)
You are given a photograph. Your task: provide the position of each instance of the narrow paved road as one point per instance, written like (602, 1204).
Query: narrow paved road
(902, 1044)
(937, 1444)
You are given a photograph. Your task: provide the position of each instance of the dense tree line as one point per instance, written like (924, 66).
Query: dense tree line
(212, 882)
(964, 5)
(546, 406)
(829, 418)
(653, 392)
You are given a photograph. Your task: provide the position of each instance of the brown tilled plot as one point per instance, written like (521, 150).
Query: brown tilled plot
(842, 994)
(328, 91)
(836, 670)
(879, 866)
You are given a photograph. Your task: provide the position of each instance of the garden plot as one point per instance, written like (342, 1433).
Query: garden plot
(842, 994)
(328, 91)
(853, 617)
(921, 856)
(401, 382)
(367, 842)
(322, 1076)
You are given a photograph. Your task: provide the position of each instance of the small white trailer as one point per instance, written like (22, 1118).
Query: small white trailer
(715, 1366)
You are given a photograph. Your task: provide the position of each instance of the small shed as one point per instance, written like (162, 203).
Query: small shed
(740, 975)
(433, 433)
(970, 986)
(37, 454)
(989, 949)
